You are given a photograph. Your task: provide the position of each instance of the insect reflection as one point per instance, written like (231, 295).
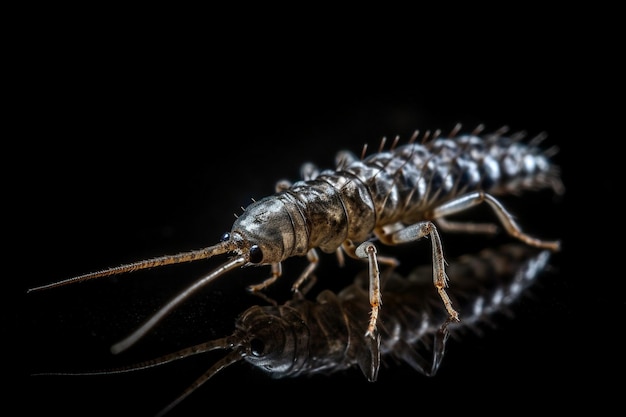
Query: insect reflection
(326, 335)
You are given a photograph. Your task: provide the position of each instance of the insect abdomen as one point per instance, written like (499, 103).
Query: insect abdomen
(405, 183)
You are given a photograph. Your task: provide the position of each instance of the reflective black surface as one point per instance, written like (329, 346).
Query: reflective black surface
(141, 164)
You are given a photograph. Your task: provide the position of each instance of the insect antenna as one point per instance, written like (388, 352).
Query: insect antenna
(222, 343)
(232, 357)
(226, 361)
(171, 305)
(222, 247)
(190, 256)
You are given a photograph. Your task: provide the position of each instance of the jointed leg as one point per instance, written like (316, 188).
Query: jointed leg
(367, 250)
(417, 231)
(277, 271)
(314, 259)
(473, 199)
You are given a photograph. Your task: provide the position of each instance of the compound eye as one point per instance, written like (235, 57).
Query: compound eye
(256, 254)
(257, 347)
(225, 237)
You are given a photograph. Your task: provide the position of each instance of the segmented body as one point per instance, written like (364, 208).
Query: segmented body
(395, 196)
(407, 183)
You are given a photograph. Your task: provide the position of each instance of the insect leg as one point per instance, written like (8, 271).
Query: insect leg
(277, 271)
(411, 356)
(459, 227)
(475, 198)
(313, 258)
(367, 250)
(417, 231)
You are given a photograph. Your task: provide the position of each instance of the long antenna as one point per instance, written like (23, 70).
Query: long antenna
(145, 328)
(190, 256)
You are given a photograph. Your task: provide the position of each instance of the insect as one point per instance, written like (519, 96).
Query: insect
(304, 337)
(395, 196)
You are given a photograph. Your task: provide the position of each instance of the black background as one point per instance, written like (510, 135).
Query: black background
(148, 145)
